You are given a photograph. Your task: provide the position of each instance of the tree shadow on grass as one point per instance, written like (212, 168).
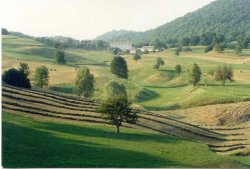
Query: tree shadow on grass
(32, 148)
(145, 95)
(101, 133)
(166, 87)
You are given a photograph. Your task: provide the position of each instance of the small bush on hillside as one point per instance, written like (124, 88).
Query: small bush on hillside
(208, 49)
(16, 78)
(159, 62)
(137, 56)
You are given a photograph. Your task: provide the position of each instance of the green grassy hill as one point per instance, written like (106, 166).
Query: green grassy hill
(44, 142)
(148, 88)
(43, 129)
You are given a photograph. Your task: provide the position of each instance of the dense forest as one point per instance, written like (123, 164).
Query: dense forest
(228, 17)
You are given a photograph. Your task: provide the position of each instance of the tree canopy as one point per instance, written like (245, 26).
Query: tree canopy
(41, 76)
(119, 67)
(84, 82)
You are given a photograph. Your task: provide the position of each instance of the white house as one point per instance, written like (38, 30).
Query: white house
(121, 45)
(148, 48)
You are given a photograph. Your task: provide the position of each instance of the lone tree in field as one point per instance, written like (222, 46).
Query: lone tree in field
(194, 74)
(224, 73)
(17, 78)
(178, 69)
(24, 68)
(113, 89)
(84, 82)
(119, 67)
(137, 56)
(159, 62)
(60, 57)
(117, 110)
(41, 76)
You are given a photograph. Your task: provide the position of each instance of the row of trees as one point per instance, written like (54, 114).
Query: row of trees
(20, 77)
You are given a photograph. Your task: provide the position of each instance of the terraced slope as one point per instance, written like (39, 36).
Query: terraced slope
(54, 105)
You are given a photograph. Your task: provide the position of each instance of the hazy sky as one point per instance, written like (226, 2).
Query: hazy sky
(86, 19)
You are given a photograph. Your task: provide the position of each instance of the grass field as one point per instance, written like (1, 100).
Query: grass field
(151, 89)
(46, 129)
(43, 142)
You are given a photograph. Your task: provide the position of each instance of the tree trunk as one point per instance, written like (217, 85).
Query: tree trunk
(118, 129)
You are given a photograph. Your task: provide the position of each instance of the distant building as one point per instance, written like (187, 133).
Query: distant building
(121, 45)
(86, 42)
(147, 48)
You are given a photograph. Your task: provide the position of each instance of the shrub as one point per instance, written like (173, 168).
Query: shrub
(208, 49)
(159, 62)
(16, 78)
(137, 56)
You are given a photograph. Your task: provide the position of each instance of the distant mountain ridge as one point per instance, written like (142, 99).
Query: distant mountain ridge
(228, 17)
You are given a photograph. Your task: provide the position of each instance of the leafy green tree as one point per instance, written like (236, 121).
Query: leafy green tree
(4, 31)
(223, 73)
(41, 77)
(24, 68)
(137, 56)
(119, 67)
(159, 62)
(239, 46)
(60, 57)
(84, 82)
(17, 78)
(178, 69)
(117, 111)
(113, 89)
(194, 74)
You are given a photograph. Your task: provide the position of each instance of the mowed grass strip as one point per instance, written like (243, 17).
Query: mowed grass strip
(35, 142)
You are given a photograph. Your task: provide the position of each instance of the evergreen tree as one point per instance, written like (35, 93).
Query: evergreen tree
(178, 69)
(194, 74)
(119, 67)
(60, 57)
